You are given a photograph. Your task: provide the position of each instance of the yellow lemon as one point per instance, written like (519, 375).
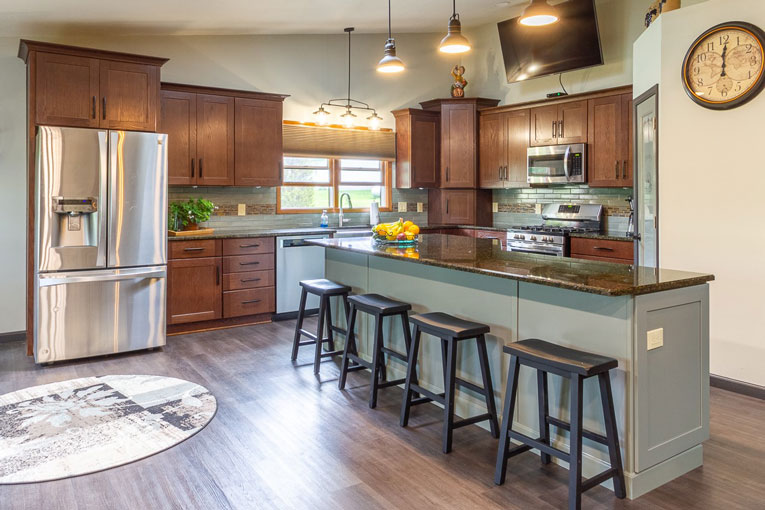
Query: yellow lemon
(408, 224)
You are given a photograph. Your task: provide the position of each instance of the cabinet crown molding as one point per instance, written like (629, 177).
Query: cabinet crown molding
(201, 89)
(26, 46)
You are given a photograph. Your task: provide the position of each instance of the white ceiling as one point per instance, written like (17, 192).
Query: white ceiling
(189, 17)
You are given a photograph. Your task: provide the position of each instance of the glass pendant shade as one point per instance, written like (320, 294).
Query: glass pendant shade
(538, 13)
(347, 118)
(390, 63)
(374, 121)
(322, 116)
(454, 42)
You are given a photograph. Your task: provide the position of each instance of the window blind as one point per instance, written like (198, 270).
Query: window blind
(303, 140)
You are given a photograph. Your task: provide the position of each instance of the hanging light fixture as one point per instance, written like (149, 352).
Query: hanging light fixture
(454, 42)
(539, 13)
(346, 103)
(390, 63)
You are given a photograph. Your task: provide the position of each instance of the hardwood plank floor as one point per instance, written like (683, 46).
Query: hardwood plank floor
(285, 439)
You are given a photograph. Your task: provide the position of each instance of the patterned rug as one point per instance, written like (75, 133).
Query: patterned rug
(86, 425)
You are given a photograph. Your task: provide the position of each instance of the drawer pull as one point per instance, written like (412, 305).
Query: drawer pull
(245, 280)
(251, 301)
(249, 263)
(249, 245)
(193, 249)
(604, 248)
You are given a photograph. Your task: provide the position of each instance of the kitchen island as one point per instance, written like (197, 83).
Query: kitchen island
(661, 394)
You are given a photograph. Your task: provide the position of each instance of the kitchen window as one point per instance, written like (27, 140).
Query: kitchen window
(313, 184)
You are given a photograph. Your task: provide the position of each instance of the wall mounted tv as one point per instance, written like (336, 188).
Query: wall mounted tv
(571, 43)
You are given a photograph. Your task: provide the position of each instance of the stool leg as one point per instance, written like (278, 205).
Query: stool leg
(350, 346)
(612, 434)
(544, 412)
(444, 355)
(408, 342)
(320, 333)
(411, 367)
(451, 367)
(330, 333)
(376, 360)
(483, 358)
(299, 324)
(575, 439)
(507, 420)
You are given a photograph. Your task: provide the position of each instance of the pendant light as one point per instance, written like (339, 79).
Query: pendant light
(454, 42)
(538, 13)
(390, 63)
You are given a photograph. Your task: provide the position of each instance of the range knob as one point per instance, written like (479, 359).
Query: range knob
(533, 238)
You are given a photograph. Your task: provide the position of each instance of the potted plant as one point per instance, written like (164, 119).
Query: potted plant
(188, 215)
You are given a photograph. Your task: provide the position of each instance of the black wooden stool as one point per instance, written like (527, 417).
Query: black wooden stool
(450, 330)
(378, 306)
(577, 366)
(325, 289)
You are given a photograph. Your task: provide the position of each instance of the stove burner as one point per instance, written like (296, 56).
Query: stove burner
(556, 230)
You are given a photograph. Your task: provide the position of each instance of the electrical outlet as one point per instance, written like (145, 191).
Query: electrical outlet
(402, 207)
(419, 207)
(655, 338)
(494, 207)
(241, 209)
(538, 208)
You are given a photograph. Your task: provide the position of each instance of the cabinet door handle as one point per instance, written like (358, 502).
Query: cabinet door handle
(281, 172)
(193, 249)
(505, 172)
(192, 167)
(499, 172)
(103, 107)
(624, 169)
(554, 129)
(200, 168)
(447, 174)
(616, 169)
(249, 245)
(217, 275)
(602, 248)
(94, 107)
(560, 129)
(245, 280)
(249, 263)
(251, 301)
(447, 206)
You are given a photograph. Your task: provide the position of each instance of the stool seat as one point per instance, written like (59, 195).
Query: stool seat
(563, 358)
(377, 304)
(324, 287)
(445, 325)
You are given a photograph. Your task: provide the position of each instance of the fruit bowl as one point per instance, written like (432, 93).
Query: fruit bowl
(398, 233)
(406, 242)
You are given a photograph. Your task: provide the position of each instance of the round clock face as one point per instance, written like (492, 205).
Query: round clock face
(724, 66)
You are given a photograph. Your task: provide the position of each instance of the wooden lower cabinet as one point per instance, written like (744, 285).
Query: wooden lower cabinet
(194, 290)
(248, 277)
(237, 303)
(604, 250)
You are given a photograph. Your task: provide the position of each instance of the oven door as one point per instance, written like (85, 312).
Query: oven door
(535, 248)
(556, 164)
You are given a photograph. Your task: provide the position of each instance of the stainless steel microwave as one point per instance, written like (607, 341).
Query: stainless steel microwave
(556, 164)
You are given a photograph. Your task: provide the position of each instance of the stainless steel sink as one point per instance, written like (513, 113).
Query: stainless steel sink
(354, 231)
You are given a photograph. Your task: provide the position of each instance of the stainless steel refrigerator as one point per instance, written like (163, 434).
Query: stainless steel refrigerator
(100, 242)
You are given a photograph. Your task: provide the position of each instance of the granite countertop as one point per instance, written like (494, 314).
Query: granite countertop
(605, 236)
(484, 257)
(225, 233)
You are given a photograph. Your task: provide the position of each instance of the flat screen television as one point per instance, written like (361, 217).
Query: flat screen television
(571, 43)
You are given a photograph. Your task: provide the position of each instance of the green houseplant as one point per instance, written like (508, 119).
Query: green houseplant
(187, 215)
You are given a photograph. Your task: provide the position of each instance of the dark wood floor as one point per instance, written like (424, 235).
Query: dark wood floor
(285, 439)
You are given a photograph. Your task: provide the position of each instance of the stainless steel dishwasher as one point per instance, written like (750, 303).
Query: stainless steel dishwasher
(296, 260)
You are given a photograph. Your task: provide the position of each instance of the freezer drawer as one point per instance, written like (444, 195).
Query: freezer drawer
(91, 313)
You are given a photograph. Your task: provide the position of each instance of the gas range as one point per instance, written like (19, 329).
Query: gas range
(552, 237)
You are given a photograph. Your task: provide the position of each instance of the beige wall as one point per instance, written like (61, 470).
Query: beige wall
(710, 187)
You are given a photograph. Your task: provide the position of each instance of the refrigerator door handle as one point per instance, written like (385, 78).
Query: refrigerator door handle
(47, 280)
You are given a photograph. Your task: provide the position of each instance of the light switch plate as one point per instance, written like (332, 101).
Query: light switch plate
(494, 207)
(419, 207)
(241, 209)
(655, 338)
(402, 207)
(538, 208)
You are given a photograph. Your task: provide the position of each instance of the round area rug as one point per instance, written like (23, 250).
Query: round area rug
(86, 425)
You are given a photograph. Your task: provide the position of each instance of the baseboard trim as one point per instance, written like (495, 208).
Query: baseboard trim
(13, 336)
(743, 388)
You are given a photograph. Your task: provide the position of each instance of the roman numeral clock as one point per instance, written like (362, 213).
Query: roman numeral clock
(723, 68)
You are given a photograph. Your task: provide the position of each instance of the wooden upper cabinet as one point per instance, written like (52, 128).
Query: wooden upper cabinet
(66, 90)
(215, 140)
(129, 96)
(609, 125)
(544, 125)
(418, 148)
(178, 118)
(556, 124)
(458, 146)
(459, 207)
(517, 129)
(258, 142)
(492, 146)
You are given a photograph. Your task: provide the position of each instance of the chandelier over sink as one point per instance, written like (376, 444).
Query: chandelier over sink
(349, 105)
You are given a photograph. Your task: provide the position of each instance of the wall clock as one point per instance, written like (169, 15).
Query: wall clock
(723, 68)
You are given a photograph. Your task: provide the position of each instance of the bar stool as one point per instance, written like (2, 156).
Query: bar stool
(324, 289)
(451, 331)
(379, 307)
(577, 366)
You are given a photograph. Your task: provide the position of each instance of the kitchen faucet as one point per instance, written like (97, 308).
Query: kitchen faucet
(341, 220)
